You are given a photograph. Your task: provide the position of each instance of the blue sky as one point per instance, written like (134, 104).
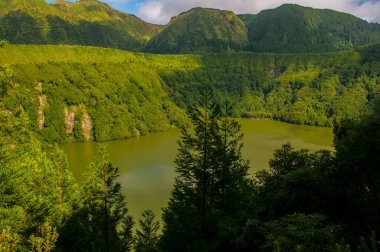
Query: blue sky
(160, 11)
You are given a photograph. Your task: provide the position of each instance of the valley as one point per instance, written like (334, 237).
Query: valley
(130, 91)
(216, 131)
(148, 182)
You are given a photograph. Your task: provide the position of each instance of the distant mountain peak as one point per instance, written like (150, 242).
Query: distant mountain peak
(201, 30)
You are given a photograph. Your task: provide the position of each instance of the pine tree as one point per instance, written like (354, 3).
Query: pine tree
(36, 188)
(102, 223)
(147, 236)
(210, 193)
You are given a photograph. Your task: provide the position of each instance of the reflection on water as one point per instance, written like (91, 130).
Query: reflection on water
(147, 163)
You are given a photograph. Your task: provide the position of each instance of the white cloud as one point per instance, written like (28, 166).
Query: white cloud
(160, 11)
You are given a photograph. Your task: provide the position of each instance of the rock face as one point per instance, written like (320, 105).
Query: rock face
(41, 116)
(70, 119)
(86, 126)
(42, 101)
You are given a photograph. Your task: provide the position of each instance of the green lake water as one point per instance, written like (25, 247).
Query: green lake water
(147, 163)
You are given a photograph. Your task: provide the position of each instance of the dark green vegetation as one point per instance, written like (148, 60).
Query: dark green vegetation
(42, 208)
(305, 201)
(200, 31)
(293, 28)
(288, 28)
(212, 188)
(79, 93)
(86, 22)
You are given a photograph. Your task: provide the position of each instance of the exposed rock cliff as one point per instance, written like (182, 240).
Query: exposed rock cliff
(70, 119)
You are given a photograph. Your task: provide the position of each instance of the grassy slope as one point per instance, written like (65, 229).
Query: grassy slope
(124, 92)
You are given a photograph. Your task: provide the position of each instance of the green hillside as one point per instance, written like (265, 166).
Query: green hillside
(293, 28)
(74, 93)
(200, 31)
(86, 22)
(288, 28)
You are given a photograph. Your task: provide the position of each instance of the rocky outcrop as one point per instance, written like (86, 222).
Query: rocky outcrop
(86, 126)
(137, 132)
(42, 103)
(42, 100)
(70, 118)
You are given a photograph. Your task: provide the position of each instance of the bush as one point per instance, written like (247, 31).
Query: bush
(3, 43)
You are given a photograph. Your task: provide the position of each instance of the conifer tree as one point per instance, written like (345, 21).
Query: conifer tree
(102, 223)
(147, 236)
(210, 192)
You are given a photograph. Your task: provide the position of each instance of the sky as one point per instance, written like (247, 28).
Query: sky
(160, 11)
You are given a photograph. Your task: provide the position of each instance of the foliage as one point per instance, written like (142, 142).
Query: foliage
(3, 43)
(319, 201)
(357, 171)
(149, 92)
(102, 222)
(37, 191)
(6, 75)
(200, 31)
(147, 237)
(45, 239)
(206, 206)
(299, 232)
(293, 28)
(81, 23)
(288, 28)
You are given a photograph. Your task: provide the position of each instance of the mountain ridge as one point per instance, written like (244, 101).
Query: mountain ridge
(82, 23)
(215, 31)
(288, 28)
(294, 28)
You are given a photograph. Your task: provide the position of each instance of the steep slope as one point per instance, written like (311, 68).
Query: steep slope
(200, 30)
(86, 22)
(293, 28)
(75, 93)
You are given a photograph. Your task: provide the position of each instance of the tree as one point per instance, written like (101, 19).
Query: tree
(102, 222)
(300, 232)
(37, 191)
(3, 43)
(211, 191)
(147, 237)
(6, 74)
(357, 173)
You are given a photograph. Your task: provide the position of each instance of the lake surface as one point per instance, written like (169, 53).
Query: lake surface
(147, 163)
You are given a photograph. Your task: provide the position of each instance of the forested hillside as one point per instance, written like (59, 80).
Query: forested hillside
(76, 93)
(85, 22)
(293, 28)
(200, 31)
(304, 201)
(288, 28)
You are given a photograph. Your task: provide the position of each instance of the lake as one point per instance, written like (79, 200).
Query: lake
(147, 163)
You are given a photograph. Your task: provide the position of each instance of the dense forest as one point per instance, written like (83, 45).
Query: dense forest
(85, 22)
(75, 93)
(293, 28)
(305, 201)
(288, 28)
(200, 31)
(294, 64)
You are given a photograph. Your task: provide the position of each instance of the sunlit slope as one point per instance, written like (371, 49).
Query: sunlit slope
(75, 93)
(200, 31)
(85, 22)
(293, 28)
